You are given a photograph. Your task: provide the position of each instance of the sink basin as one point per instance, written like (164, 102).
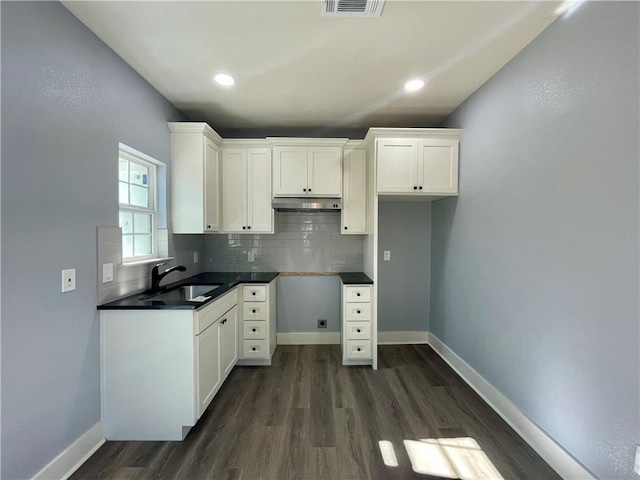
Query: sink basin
(183, 293)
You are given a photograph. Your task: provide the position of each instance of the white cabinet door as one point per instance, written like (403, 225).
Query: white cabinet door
(228, 341)
(211, 187)
(438, 166)
(234, 189)
(208, 365)
(259, 211)
(289, 171)
(324, 172)
(397, 161)
(354, 197)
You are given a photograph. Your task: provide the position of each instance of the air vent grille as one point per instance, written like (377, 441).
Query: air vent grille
(352, 8)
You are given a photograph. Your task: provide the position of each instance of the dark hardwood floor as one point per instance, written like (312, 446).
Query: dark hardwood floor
(307, 416)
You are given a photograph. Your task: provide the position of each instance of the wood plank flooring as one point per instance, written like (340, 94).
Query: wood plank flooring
(308, 417)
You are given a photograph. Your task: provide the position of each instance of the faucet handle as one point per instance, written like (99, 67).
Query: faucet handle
(158, 265)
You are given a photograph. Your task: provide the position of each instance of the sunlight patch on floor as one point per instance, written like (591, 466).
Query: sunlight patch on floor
(444, 457)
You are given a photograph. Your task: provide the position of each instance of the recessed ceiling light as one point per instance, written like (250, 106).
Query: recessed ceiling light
(224, 79)
(413, 85)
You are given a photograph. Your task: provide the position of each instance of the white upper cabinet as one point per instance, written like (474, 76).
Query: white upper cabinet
(246, 186)
(425, 164)
(307, 170)
(354, 199)
(195, 178)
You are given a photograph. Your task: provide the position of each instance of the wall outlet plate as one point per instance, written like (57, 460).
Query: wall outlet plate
(68, 280)
(107, 272)
(251, 256)
(387, 255)
(195, 257)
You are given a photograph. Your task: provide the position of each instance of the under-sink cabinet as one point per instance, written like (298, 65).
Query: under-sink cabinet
(160, 369)
(195, 178)
(356, 325)
(246, 187)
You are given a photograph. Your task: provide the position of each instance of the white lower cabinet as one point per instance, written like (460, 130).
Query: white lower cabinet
(357, 339)
(160, 369)
(258, 333)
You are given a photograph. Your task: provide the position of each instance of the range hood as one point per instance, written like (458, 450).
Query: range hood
(306, 204)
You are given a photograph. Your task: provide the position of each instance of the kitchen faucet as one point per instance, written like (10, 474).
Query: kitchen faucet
(156, 276)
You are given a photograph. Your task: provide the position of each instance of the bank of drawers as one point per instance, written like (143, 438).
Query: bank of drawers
(254, 325)
(356, 322)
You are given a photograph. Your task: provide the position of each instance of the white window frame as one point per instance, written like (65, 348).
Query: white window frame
(134, 156)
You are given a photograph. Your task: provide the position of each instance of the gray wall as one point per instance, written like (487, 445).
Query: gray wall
(405, 230)
(302, 300)
(67, 100)
(535, 266)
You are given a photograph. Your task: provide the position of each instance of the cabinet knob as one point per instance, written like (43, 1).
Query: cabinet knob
(253, 293)
(249, 227)
(208, 227)
(415, 188)
(254, 329)
(357, 311)
(358, 349)
(304, 189)
(357, 294)
(309, 190)
(253, 311)
(253, 349)
(345, 228)
(357, 330)
(420, 187)
(244, 228)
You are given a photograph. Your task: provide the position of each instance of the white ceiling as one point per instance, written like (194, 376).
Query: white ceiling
(301, 73)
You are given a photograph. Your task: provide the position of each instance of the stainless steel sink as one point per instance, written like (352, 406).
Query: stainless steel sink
(183, 293)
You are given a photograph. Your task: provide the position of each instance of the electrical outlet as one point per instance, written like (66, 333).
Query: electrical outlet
(387, 255)
(107, 272)
(195, 257)
(322, 323)
(68, 280)
(252, 256)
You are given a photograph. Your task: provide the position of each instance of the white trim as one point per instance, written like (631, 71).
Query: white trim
(195, 127)
(308, 338)
(560, 460)
(72, 457)
(308, 142)
(402, 338)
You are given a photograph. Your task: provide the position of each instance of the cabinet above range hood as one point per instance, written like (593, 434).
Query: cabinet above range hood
(306, 204)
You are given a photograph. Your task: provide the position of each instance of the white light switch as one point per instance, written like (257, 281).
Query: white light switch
(252, 256)
(68, 280)
(387, 255)
(107, 272)
(195, 257)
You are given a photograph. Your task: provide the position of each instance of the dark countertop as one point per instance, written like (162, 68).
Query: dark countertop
(226, 281)
(355, 278)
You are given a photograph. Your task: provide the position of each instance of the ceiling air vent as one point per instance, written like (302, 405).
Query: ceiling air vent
(351, 8)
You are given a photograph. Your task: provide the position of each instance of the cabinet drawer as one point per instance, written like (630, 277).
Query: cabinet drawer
(255, 349)
(358, 330)
(358, 312)
(357, 294)
(254, 330)
(254, 293)
(358, 349)
(254, 311)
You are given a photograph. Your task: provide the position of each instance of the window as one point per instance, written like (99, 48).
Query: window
(137, 185)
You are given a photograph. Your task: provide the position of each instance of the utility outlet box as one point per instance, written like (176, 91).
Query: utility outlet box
(322, 323)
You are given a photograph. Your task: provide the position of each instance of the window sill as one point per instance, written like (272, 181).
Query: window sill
(145, 262)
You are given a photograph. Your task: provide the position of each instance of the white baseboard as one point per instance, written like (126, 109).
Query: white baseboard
(74, 455)
(402, 338)
(310, 338)
(560, 460)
